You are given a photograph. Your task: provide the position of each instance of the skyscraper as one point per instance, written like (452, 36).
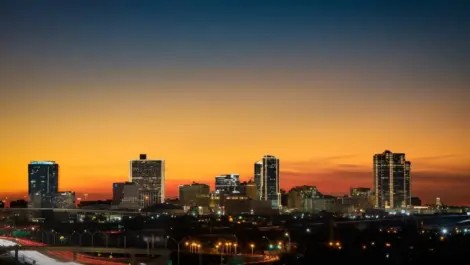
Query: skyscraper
(267, 180)
(43, 183)
(392, 180)
(149, 176)
(228, 183)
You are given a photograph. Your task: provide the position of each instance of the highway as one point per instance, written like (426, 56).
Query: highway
(31, 256)
(64, 255)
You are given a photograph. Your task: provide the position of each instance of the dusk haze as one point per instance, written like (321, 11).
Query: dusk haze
(210, 87)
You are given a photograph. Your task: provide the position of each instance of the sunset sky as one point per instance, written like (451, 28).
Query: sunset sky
(213, 86)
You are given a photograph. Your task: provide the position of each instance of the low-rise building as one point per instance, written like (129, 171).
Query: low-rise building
(195, 194)
(64, 200)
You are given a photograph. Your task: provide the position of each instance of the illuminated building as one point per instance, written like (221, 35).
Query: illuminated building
(149, 176)
(228, 183)
(267, 180)
(43, 183)
(360, 192)
(64, 200)
(392, 180)
(301, 198)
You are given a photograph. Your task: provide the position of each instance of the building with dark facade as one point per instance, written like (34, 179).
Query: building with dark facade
(195, 194)
(267, 180)
(43, 183)
(228, 183)
(392, 180)
(118, 191)
(249, 189)
(149, 176)
(416, 201)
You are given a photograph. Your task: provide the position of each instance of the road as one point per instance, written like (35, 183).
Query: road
(33, 257)
(65, 256)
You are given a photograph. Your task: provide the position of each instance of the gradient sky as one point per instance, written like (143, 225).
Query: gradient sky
(212, 86)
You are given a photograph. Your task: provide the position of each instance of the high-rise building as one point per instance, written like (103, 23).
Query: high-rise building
(267, 180)
(130, 197)
(118, 191)
(229, 183)
(149, 176)
(392, 180)
(43, 183)
(257, 177)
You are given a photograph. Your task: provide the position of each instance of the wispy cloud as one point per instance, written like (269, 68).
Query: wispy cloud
(425, 184)
(318, 162)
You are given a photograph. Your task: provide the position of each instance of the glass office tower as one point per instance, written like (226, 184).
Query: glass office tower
(43, 183)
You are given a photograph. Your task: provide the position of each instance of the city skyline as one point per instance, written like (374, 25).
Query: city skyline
(106, 192)
(211, 88)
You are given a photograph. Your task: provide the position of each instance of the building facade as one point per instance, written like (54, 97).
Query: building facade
(249, 189)
(392, 180)
(301, 198)
(65, 200)
(267, 180)
(43, 183)
(130, 197)
(228, 183)
(149, 176)
(360, 192)
(194, 195)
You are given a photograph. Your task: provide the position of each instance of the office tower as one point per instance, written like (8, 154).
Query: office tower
(258, 179)
(117, 192)
(195, 194)
(228, 183)
(392, 180)
(130, 197)
(267, 180)
(43, 183)
(149, 176)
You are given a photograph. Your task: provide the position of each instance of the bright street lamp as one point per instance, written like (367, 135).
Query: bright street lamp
(288, 236)
(252, 249)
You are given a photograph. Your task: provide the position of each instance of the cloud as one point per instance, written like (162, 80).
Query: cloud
(436, 157)
(319, 162)
(452, 187)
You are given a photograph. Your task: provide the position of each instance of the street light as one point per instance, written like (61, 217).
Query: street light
(178, 245)
(252, 249)
(235, 246)
(288, 236)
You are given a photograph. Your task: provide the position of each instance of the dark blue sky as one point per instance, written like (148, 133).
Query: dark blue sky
(228, 81)
(226, 33)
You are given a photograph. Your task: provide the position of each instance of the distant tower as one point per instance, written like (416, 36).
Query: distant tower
(43, 183)
(228, 183)
(267, 180)
(149, 176)
(392, 180)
